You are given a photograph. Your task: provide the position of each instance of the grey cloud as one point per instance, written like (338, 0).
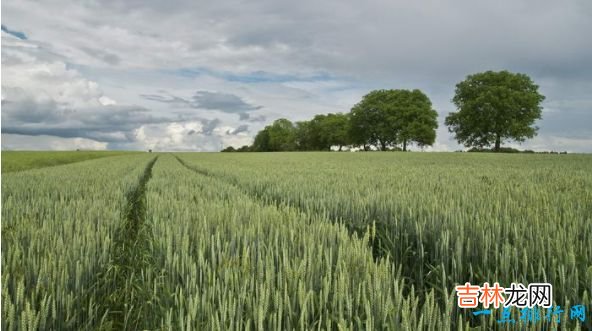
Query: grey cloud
(347, 37)
(114, 123)
(258, 118)
(174, 101)
(376, 44)
(18, 34)
(243, 116)
(224, 102)
(239, 129)
(567, 123)
(29, 111)
(209, 126)
(104, 56)
(248, 117)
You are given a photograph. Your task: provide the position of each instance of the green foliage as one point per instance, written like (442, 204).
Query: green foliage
(386, 118)
(336, 128)
(261, 143)
(310, 135)
(370, 123)
(21, 160)
(280, 136)
(322, 132)
(494, 107)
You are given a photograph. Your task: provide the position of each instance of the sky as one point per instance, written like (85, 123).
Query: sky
(202, 75)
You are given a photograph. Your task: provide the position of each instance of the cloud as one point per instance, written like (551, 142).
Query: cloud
(43, 142)
(239, 129)
(222, 101)
(208, 126)
(106, 123)
(225, 102)
(18, 34)
(44, 96)
(174, 101)
(195, 136)
(107, 57)
(295, 58)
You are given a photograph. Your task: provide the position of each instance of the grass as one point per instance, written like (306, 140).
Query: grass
(25, 160)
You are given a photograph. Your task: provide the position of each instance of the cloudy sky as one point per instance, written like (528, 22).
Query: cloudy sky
(199, 75)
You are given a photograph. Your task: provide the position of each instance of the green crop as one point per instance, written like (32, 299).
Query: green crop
(18, 161)
(58, 225)
(443, 219)
(290, 241)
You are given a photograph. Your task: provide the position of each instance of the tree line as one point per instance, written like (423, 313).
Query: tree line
(493, 107)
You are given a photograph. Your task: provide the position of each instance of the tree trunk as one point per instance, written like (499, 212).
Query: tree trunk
(498, 142)
(382, 146)
(404, 145)
(340, 147)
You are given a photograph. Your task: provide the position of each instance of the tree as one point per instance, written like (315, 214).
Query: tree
(385, 118)
(279, 136)
(310, 136)
(415, 118)
(494, 107)
(335, 129)
(370, 123)
(322, 132)
(282, 135)
(261, 143)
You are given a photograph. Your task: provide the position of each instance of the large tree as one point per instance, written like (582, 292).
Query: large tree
(370, 123)
(494, 107)
(279, 136)
(261, 143)
(322, 132)
(310, 135)
(282, 135)
(335, 130)
(416, 118)
(389, 117)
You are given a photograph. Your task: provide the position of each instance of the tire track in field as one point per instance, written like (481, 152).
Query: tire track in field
(377, 243)
(381, 240)
(124, 297)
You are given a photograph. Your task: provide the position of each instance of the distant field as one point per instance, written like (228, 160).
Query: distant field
(292, 241)
(17, 160)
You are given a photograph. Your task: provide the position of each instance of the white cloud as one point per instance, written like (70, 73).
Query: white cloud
(24, 142)
(557, 144)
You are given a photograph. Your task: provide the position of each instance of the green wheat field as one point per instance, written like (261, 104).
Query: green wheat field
(288, 241)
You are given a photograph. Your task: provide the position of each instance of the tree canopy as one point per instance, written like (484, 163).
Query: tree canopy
(322, 132)
(310, 135)
(279, 136)
(386, 118)
(494, 107)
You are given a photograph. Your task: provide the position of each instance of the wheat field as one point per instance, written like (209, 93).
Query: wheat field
(291, 241)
